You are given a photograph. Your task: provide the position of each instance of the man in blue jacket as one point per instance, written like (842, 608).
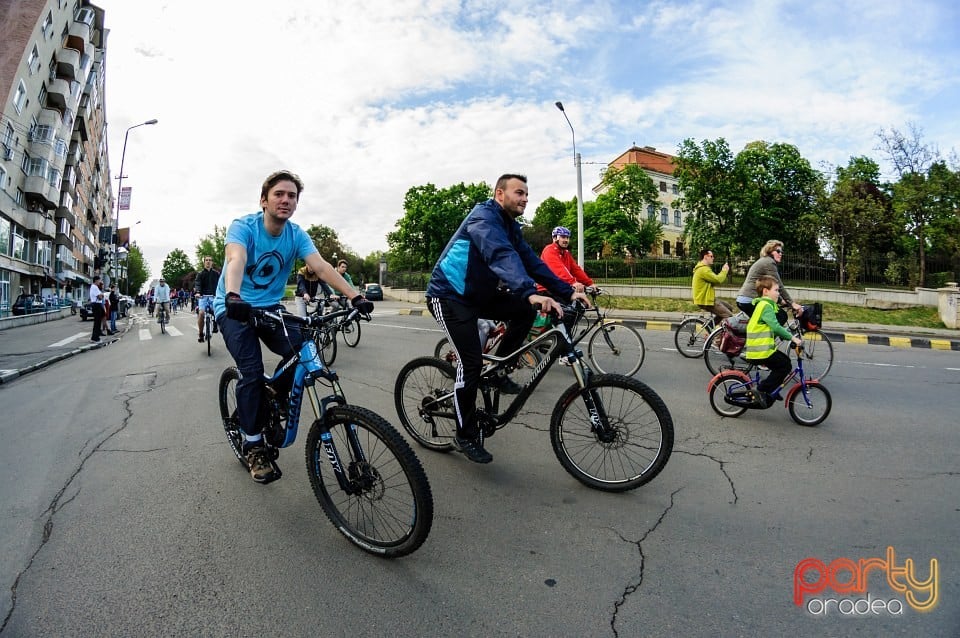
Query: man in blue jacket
(486, 250)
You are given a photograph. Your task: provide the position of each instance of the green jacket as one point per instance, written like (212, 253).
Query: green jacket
(762, 328)
(704, 280)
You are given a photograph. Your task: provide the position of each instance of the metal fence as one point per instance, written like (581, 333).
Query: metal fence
(866, 272)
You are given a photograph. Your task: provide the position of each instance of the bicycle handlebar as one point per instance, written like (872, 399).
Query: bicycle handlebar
(310, 321)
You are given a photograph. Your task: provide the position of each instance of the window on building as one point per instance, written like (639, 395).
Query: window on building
(663, 187)
(44, 252)
(33, 62)
(676, 218)
(3, 179)
(53, 176)
(47, 27)
(20, 97)
(663, 216)
(4, 236)
(19, 243)
(651, 212)
(680, 249)
(8, 136)
(676, 189)
(666, 247)
(19, 197)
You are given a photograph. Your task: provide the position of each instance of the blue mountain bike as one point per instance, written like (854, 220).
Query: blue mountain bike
(365, 476)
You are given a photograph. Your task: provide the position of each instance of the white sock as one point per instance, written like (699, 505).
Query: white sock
(256, 438)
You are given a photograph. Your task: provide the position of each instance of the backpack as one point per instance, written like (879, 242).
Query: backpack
(737, 324)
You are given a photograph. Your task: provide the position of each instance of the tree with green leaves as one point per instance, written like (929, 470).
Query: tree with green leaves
(214, 245)
(710, 186)
(919, 192)
(431, 217)
(858, 217)
(177, 269)
(138, 272)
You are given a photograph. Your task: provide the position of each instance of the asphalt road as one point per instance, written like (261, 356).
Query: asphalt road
(124, 512)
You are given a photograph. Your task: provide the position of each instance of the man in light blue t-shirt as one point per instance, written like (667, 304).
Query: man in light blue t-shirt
(261, 249)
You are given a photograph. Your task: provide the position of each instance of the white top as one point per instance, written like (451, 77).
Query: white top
(162, 293)
(96, 296)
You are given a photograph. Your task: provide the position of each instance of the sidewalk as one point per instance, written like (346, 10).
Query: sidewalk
(839, 332)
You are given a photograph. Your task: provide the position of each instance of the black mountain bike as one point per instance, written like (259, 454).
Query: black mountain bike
(610, 432)
(364, 474)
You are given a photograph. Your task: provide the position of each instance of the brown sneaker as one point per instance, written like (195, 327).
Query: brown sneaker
(261, 469)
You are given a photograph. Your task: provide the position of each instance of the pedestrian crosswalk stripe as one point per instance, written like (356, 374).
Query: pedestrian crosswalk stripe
(64, 342)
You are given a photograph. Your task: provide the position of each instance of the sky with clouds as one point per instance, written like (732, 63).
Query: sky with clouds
(368, 98)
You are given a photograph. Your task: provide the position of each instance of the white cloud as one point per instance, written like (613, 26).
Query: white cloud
(368, 99)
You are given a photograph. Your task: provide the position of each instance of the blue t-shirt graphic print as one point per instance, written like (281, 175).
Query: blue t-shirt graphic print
(269, 260)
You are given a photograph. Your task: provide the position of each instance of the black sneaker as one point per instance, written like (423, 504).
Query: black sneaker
(508, 386)
(473, 450)
(761, 399)
(216, 328)
(200, 339)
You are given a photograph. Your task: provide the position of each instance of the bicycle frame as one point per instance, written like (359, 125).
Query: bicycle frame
(796, 373)
(309, 368)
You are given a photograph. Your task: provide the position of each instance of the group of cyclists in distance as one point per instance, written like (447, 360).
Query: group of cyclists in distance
(486, 271)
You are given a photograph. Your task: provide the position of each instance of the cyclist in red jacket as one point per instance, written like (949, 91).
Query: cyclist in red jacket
(558, 257)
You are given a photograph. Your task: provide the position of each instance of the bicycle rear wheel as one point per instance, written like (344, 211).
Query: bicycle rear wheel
(634, 449)
(351, 332)
(227, 393)
(616, 348)
(690, 336)
(387, 506)
(423, 395)
(716, 360)
(163, 322)
(721, 386)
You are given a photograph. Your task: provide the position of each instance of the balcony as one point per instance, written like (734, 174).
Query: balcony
(80, 30)
(63, 240)
(68, 60)
(65, 213)
(41, 223)
(36, 188)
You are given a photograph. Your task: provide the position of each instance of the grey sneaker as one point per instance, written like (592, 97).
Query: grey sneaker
(261, 469)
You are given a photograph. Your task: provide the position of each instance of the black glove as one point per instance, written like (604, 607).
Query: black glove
(237, 308)
(361, 304)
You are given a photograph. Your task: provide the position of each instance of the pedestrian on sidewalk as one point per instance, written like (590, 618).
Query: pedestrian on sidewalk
(96, 304)
(114, 308)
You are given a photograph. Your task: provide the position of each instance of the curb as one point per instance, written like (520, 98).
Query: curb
(858, 338)
(6, 376)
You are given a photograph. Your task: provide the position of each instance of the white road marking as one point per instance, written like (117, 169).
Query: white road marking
(64, 342)
(145, 334)
(173, 332)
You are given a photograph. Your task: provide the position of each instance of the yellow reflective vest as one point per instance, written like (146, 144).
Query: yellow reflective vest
(760, 341)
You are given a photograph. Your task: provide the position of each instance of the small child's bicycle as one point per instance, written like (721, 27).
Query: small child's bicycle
(364, 474)
(733, 392)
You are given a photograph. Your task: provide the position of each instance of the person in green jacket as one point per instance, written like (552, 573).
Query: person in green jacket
(761, 347)
(704, 280)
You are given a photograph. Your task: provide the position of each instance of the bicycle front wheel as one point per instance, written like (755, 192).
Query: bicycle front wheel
(385, 506)
(227, 393)
(812, 409)
(445, 351)
(616, 348)
(690, 336)
(423, 395)
(326, 340)
(351, 333)
(817, 355)
(633, 448)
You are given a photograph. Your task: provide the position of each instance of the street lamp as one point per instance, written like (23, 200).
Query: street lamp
(123, 157)
(576, 162)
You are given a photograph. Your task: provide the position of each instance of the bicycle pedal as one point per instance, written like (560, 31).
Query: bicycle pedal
(277, 474)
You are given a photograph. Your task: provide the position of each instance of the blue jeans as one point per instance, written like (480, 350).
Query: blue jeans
(113, 321)
(243, 343)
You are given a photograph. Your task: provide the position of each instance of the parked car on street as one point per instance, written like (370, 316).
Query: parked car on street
(26, 304)
(373, 292)
(86, 311)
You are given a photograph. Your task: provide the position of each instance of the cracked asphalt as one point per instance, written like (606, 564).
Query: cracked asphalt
(124, 512)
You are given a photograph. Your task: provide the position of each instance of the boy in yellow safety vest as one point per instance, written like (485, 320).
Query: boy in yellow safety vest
(761, 347)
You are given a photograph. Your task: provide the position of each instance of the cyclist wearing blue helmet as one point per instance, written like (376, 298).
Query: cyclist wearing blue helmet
(559, 259)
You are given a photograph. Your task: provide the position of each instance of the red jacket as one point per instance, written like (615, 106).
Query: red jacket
(561, 262)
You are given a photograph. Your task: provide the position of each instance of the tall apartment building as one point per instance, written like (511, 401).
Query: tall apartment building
(660, 167)
(55, 193)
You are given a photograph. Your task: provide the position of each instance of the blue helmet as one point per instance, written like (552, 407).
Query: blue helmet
(561, 231)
